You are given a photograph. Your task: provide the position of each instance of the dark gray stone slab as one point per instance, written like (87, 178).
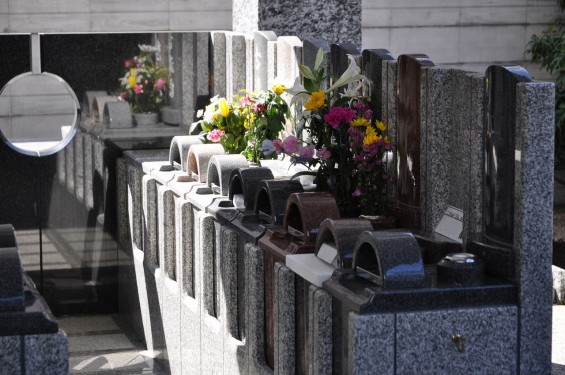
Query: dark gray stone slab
(372, 68)
(310, 48)
(340, 60)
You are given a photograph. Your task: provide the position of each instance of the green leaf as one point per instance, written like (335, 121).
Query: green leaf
(319, 59)
(306, 72)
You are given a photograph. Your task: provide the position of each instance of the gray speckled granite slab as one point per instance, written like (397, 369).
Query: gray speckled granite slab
(320, 331)
(135, 212)
(389, 117)
(218, 85)
(150, 236)
(424, 342)
(336, 21)
(122, 200)
(166, 231)
(236, 57)
(533, 220)
(371, 344)
(211, 329)
(232, 287)
(255, 310)
(10, 353)
(46, 354)
(284, 314)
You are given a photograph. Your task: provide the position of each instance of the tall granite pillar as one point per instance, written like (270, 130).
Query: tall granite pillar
(188, 62)
(333, 20)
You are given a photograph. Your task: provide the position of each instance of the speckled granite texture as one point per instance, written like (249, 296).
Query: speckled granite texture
(255, 310)
(10, 353)
(134, 206)
(249, 58)
(178, 151)
(260, 61)
(320, 331)
(452, 144)
(46, 354)
(122, 199)
(149, 199)
(235, 64)
(533, 226)
(218, 84)
(166, 231)
(424, 341)
(232, 284)
(371, 344)
(211, 327)
(284, 320)
(336, 21)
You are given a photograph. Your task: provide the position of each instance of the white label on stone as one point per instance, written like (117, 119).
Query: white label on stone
(518, 155)
(328, 253)
(451, 224)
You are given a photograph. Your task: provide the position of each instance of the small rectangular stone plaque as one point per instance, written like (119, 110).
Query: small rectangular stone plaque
(451, 224)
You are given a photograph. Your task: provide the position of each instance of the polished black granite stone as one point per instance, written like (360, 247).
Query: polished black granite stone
(362, 296)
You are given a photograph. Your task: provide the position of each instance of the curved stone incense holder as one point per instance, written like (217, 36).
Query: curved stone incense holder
(97, 109)
(342, 233)
(88, 101)
(461, 269)
(220, 169)
(271, 196)
(245, 181)
(390, 259)
(117, 115)
(305, 211)
(180, 146)
(198, 159)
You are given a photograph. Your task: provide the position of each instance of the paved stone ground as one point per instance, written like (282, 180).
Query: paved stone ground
(97, 345)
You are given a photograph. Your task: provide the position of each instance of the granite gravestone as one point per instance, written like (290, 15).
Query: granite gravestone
(500, 152)
(310, 48)
(339, 58)
(260, 60)
(408, 208)
(372, 67)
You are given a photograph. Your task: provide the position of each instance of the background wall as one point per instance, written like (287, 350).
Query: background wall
(470, 33)
(50, 16)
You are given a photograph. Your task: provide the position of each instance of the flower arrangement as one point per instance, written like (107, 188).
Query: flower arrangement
(241, 126)
(341, 140)
(144, 83)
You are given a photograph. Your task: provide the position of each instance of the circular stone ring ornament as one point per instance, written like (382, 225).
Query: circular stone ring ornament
(39, 114)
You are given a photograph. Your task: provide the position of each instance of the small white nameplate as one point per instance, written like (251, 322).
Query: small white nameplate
(328, 253)
(451, 224)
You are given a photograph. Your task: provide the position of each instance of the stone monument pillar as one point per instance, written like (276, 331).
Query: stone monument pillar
(336, 21)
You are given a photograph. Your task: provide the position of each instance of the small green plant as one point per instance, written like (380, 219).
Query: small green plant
(548, 49)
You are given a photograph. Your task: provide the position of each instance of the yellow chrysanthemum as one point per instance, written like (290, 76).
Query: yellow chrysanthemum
(381, 125)
(132, 71)
(317, 100)
(224, 107)
(360, 121)
(371, 136)
(278, 89)
(132, 81)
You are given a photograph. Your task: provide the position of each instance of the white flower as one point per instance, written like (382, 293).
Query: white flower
(352, 74)
(298, 92)
(148, 48)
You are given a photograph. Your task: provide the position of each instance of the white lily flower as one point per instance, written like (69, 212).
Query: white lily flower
(352, 74)
(298, 92)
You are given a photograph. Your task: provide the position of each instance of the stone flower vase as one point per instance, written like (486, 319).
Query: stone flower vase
(146, 119)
